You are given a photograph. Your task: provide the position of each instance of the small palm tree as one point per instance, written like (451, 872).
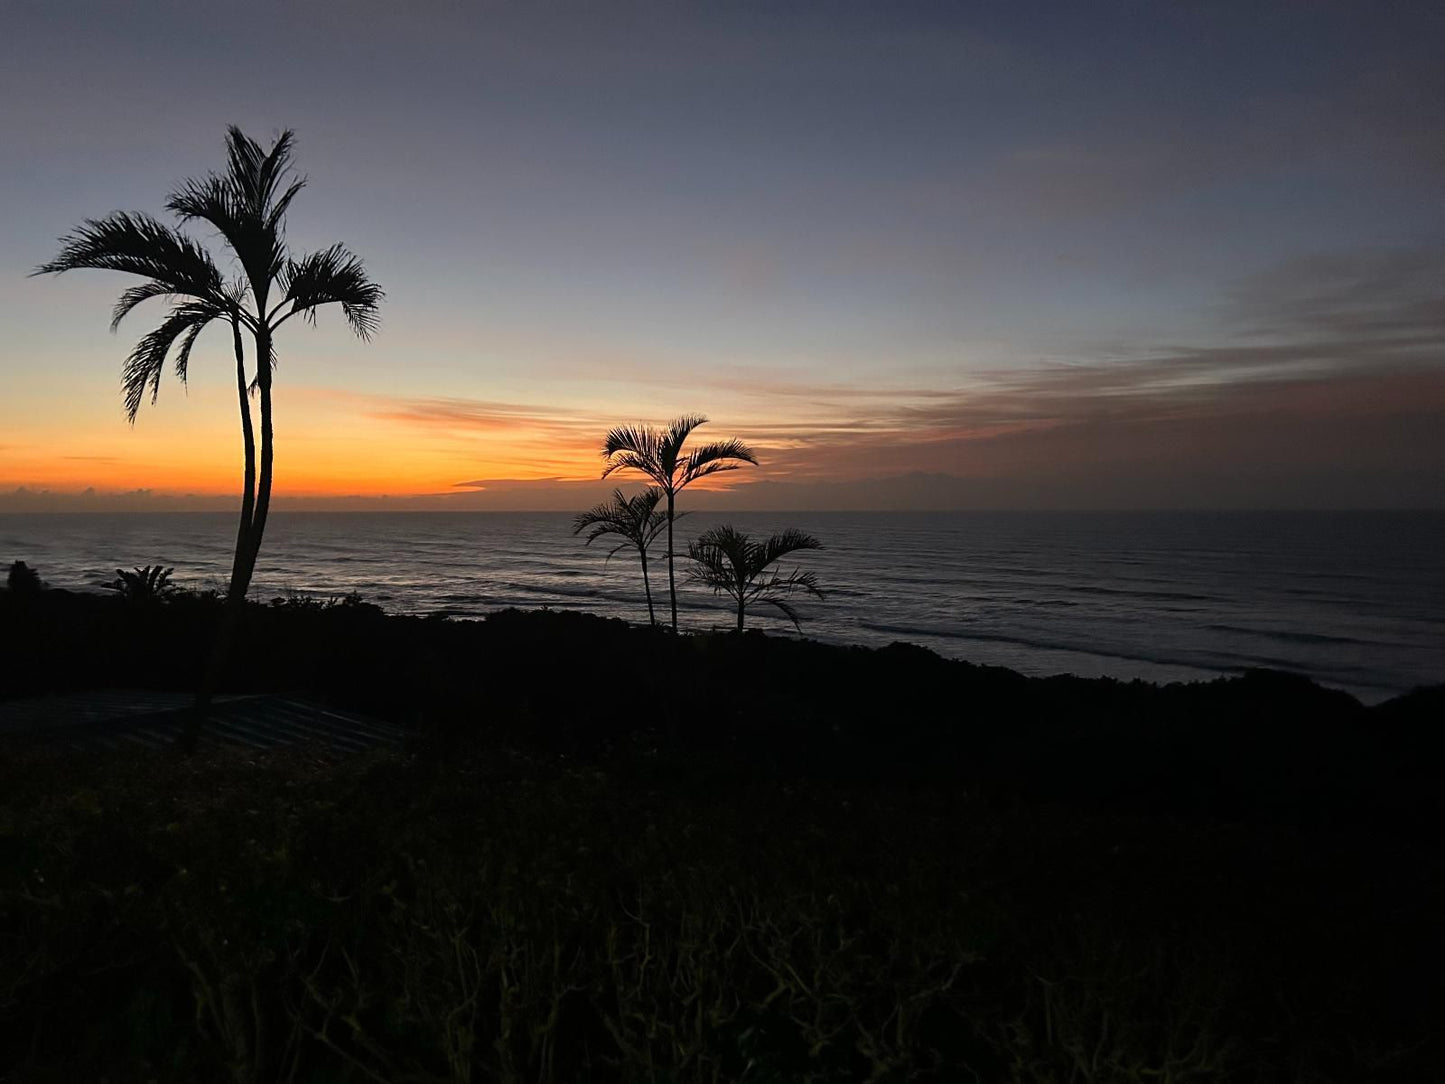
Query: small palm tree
(657, 454)
(143, 586)
(731, 563)
(635, 520)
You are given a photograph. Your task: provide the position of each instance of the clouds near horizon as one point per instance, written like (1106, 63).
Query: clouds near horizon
(1331, 388)
(1039, 254)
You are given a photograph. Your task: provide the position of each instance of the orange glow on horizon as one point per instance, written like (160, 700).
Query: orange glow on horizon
(349, 445)
(336, 444)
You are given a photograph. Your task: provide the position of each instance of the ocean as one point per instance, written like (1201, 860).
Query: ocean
(1353, 600)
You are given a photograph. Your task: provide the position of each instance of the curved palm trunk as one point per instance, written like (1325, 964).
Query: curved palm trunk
(268, 455)
(671, 563)
(268, 448)
(240, 564)
(647, 590)
(239, 580)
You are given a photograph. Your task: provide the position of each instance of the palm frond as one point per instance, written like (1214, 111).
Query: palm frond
(183, 355)
(637, 439)
(257, 174)
(785, 542)
(244, 157)
(639, 462)
(134, 295)
(243, 203)
(788, 611)
(720, 451)
(277, 214)
(796, 580)
(715, 458)
(333, 276)
(633, 518)
(137, 244)
(209, 199)
(691, 475)
(143, 368)
(657, 453)
(724, 536)
(712, 569)
(669, 448)
(720, 558)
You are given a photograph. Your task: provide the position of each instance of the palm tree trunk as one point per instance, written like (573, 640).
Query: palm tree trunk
(268, 449)
(740, 613)
(647, 590)
(239, 580)
(240, 564)
(671, 563)
(246, 554)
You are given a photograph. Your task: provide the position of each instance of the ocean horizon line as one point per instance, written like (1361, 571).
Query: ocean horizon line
(285, 508)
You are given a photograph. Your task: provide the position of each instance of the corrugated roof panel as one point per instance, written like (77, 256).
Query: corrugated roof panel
(107, 719)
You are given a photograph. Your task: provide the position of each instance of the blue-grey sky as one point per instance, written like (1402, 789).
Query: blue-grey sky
(1049, 255)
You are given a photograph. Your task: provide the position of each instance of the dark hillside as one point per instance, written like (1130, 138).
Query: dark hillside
(614, 855)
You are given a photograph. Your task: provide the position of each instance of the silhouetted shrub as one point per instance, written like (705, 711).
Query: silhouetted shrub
(143, 586)
(23, 579)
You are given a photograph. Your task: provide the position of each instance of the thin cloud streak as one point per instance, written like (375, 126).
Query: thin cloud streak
(1328, 339)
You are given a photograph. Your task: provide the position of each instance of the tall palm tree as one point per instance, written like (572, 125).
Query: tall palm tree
(177, 268)
(246, 205)
(635, 520)
(657, 453)
(731, 563)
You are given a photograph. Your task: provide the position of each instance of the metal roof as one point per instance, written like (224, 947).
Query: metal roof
(115, 718)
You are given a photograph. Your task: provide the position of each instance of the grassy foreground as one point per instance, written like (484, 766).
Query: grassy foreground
(839, 886)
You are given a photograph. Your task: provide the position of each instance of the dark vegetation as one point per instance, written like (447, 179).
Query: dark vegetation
(23, 580)
(658, 455)
(734, 564)
(723, 559)
(245, 207)
(635, 522)
(618, 854)
(143, 586)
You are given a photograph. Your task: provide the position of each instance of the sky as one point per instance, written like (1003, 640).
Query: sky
(918, 255)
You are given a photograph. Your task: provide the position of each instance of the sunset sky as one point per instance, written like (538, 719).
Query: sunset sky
(943, 255)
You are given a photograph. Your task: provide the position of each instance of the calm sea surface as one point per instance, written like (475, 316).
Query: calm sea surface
(1353, 600)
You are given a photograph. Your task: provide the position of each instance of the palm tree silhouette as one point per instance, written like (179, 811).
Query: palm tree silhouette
(635, 520)
(731, 563)
(657, 453)
(246, 205)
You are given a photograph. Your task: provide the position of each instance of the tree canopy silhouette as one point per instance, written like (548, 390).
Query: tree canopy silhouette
(658, 455)
(246, 205)
(635, 520)
(732, 563)
(23, 580)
